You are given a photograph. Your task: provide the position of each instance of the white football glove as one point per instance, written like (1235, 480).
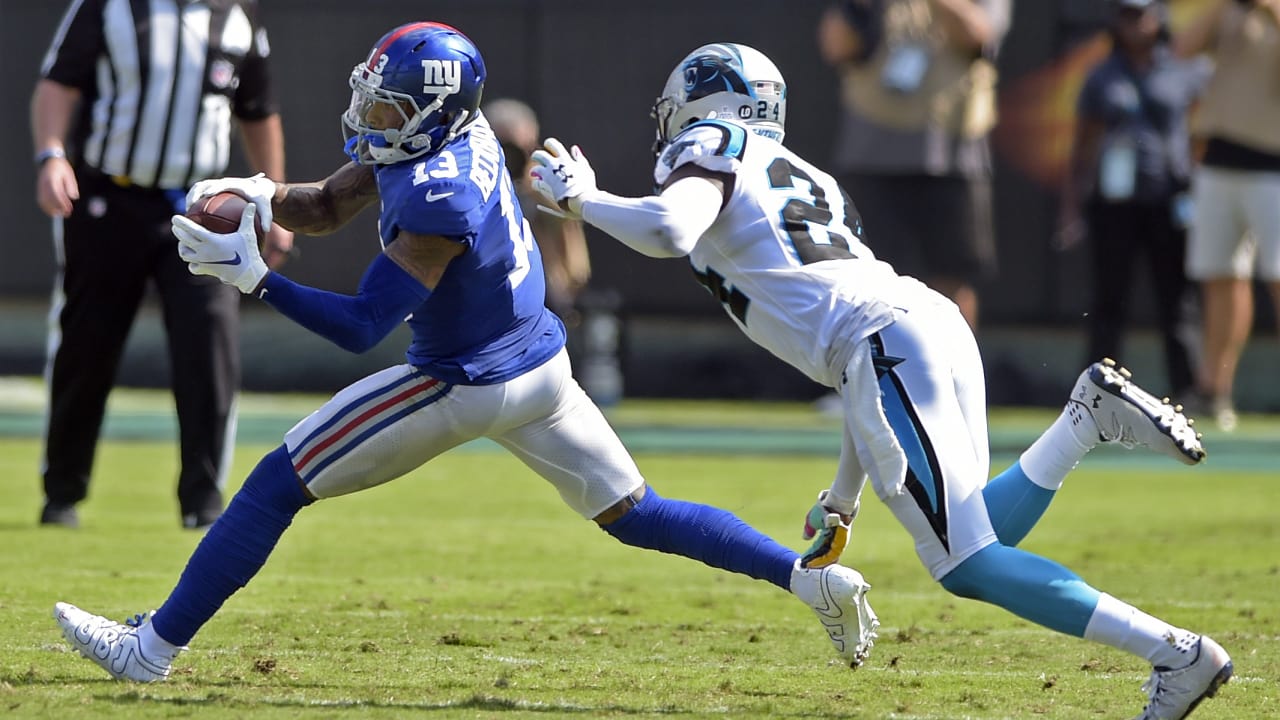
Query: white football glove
(233, 257)
(828, 530)
(259, 189)
(562, 175)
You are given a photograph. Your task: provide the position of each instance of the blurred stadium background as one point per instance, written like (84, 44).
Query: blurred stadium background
(591, 69)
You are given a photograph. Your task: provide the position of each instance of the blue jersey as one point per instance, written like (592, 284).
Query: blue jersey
(486, 321)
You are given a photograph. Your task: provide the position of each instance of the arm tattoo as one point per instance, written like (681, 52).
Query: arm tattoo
(319, 208)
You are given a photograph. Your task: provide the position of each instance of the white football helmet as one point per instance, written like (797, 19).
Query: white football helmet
(727, 81)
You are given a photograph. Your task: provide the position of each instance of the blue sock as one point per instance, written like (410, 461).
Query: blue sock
(1015, 504)
(1029, 586)
(707, 534)
(234, 548)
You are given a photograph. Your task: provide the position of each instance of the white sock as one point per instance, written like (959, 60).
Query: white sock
(153, 646)
(1125, 627)
(1060, 448)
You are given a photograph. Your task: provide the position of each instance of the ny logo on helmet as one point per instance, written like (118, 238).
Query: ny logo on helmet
(441, 77)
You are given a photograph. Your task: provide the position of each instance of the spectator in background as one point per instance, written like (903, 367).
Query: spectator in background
(918, 90)
(1237, 185)
(134, 104)
(1129, 172)
(563, 243)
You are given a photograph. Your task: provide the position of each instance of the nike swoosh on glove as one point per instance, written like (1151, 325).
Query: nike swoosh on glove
(231, 257)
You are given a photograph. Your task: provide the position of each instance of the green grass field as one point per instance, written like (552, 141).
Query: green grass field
(466, 590)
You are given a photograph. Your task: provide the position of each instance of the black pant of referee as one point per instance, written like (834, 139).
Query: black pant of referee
(1123, 236)
(115, 244)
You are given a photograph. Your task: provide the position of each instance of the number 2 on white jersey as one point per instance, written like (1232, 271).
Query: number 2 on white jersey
(810, 224)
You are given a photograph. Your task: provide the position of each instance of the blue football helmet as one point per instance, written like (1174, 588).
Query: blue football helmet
(727, 81)
(418, 90)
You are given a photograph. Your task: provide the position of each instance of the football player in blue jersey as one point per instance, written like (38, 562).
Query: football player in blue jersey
(487, 359)
(778, 242)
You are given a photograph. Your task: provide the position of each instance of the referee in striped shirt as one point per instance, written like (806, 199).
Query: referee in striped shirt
(134, 104)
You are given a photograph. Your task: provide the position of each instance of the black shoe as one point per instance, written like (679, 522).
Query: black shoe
(59, 514)
(199, 520)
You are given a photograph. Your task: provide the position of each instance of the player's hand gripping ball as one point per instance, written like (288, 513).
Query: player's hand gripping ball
(220, 212)
(219, 236)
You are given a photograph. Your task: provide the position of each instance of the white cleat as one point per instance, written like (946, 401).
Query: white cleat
(1125, 413)
(115, 647)
(1173, 694)
(839, 596)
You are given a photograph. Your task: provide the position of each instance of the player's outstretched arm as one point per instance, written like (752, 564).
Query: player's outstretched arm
(664, 225)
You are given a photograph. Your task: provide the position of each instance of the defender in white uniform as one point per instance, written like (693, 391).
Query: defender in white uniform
(779, 243)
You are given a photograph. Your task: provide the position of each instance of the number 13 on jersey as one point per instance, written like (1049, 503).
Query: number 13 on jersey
(519, 231)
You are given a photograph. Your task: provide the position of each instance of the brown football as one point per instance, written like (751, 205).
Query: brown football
(220, 212)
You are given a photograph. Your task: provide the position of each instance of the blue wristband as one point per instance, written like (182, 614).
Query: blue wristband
(49, 154)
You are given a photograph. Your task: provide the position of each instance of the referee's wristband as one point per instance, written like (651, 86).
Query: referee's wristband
(48, 154)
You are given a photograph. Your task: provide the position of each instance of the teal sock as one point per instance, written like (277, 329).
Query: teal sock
(1029, 586)
(1015, 504)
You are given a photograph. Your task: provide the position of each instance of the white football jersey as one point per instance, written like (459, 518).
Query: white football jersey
(785, 256)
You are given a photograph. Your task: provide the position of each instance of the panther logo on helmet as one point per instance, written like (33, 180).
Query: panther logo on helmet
(728, 81)
(709, 74)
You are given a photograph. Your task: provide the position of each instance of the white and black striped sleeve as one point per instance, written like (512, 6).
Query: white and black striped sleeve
(73, 55)
(254, 99)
